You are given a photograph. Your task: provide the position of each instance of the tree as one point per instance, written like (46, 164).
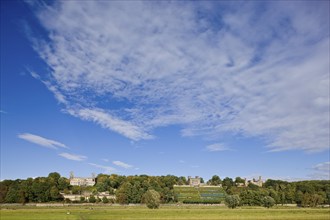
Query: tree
(251, 197)
(311, 200)
(105, 199)
(274, 195)
(239, 180)
(76, 190)
(182, 180)
(82, 199)
(63, 183)
(268, 202)
(92, 199)
(54, 177)
(214, 181)
(124, 193)
(4, 187)
(54, 194)
(232, 201)
(152, 199)
(227, 182)
(12, 195)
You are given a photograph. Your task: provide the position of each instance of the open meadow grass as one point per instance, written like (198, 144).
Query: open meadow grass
(165, 212)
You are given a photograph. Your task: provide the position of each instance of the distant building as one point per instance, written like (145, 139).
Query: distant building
(194, 181)
(82, 181)
(258, 182)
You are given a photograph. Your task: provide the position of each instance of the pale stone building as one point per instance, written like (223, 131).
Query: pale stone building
(194, 181)
(82, 181)
(258, 182)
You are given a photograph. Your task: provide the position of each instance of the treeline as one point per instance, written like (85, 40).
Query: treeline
(130, 189)
(127, 189)
(41, 189)
(303, 193)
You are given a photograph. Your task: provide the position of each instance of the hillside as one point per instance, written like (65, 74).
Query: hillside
(205, 194)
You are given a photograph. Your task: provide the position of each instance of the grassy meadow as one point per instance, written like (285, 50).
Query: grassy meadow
(165, 212)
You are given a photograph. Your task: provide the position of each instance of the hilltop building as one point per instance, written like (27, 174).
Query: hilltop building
(258, 182)
(197, 182)
(194, 181)
(82, 181)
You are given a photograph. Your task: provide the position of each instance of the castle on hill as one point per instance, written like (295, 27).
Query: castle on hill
(82, 181)
(196, 181)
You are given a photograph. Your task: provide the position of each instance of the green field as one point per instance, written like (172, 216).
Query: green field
(165, 212)
(199, 194)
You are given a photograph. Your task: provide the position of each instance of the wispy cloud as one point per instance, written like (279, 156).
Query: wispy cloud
(108, 121)
(122, 164)
(322, 167)
(3, 112)
(321, 171)
(217, 147)
(106, 169)
(57, 94)
(44, 142)
(73, 156)
(212, 68)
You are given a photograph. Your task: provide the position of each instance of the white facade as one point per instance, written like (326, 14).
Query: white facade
(81, 181)
(194, 181)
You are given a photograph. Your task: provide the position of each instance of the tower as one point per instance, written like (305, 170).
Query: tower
(71, 175)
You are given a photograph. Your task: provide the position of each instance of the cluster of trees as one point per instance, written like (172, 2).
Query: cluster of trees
(303, 193)
(41, 189)
(139, 189)
(132, 188)
(127, 189)
(232, 201)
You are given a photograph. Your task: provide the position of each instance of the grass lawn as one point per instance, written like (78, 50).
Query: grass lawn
(165, 212)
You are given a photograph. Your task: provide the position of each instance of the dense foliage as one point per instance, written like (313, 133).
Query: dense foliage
(130, 189)
(152, 199)
(232, 201)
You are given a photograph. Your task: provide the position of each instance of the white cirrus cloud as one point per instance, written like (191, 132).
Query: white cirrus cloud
(36, 139)
(323, 167)
(73, 156)
(214, 69)
(110, 122)
(122, 164)
(106, 169)
(321, 171)
(217, 147)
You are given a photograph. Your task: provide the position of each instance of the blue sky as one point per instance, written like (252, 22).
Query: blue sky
(157, 88)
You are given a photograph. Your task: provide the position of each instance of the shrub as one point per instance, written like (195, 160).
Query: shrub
(268, 202)
(152, 199)
(82, 199)
(232, 201)
(92, 199)
(105, 199)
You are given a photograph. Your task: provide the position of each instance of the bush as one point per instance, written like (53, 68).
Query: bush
(152, 199)
(232, 201)
(82, 199)
(268, 202)
(105, 199)
(92, 199)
